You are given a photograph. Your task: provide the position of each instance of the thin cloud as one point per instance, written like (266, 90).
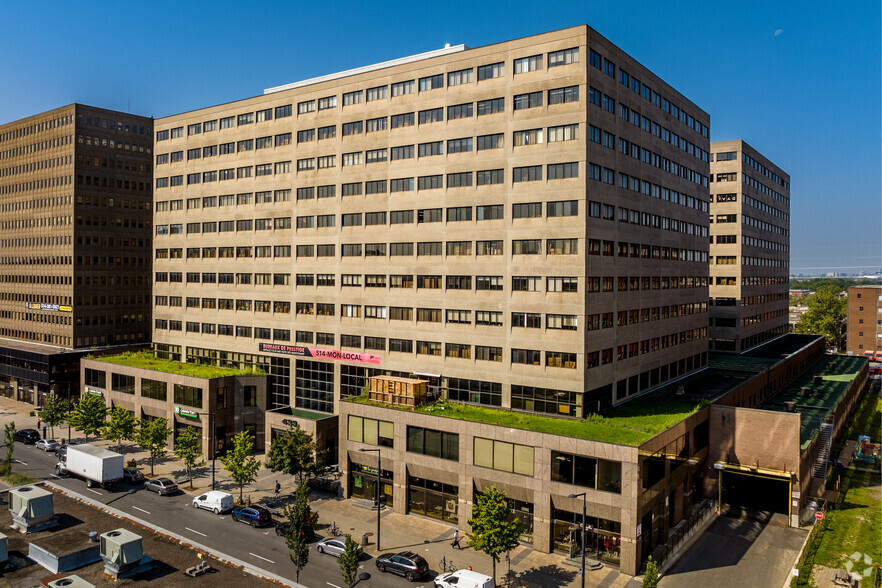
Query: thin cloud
(778, 32)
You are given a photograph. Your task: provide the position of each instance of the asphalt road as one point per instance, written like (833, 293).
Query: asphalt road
(260, 547)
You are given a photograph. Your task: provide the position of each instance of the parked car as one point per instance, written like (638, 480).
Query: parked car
(132, 476)
(47, 444)
(464, 579)
(334, 546)
(61, 452)
(162, 486)
(27, 436)
(256, 516)
(215, 501)
(406, 563)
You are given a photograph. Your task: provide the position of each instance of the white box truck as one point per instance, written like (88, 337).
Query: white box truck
(96, 465)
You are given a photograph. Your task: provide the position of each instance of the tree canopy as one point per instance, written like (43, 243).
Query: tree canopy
(349, 561)
(293, 453)
(188, 449)
(825, 316)
(241, 465)
(151, 436)
(89, 415)
(54, 412)
(495, 529)
(120, 427)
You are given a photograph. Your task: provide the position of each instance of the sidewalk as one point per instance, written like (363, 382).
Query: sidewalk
(422, 535)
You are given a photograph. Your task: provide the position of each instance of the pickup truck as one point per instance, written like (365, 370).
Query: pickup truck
(95, 465)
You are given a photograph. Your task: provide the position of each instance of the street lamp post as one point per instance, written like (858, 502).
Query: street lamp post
(584, 496)
(68, 412)
(379, 483)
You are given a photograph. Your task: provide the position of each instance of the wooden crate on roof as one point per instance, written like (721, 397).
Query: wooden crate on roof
(404, 392)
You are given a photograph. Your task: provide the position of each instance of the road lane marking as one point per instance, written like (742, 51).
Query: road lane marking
(141, 509)
(18, 461)
(195, 531)
(94, 492)
(334, 585)
(263, 558)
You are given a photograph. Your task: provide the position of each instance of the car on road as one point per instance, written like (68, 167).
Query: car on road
(215, 501)
(256, 516)
(47, 444)
(405, 563)
(27, 436)
(162, 486)
(334, 546)
(132, 476)
(61, 451)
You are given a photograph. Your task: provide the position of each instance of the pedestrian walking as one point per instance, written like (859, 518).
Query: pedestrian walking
(456, 540)
(278, 487)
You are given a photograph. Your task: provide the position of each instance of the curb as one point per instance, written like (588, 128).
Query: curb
(183, 541)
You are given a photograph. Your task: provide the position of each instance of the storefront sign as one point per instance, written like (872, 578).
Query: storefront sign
(49, 307)
(186, 413)
(332, 354)
(94, 392)
(290, 423)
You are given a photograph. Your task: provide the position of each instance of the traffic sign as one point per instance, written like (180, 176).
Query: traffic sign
(819, 515)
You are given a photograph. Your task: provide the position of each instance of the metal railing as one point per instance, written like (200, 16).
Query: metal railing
(683, 533)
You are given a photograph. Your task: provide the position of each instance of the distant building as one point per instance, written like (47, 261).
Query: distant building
(749, 248)
(75, 243)
(865, 321)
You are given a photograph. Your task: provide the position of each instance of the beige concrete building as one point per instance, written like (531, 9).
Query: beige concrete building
(750, 248)
(865, 321)
(524, 224)
(75, 243)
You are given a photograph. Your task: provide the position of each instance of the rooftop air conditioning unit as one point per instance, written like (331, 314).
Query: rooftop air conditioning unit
(31, 508)
(121, 550)
(72, 581)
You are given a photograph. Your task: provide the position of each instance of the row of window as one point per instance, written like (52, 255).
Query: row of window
(41, 184)
(35, 128)
(36, 166)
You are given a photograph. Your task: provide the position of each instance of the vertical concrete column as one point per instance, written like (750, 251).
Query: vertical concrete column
(542, 522)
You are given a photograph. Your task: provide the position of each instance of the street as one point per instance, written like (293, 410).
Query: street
(260, 547)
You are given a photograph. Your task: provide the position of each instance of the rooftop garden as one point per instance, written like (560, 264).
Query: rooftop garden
(631, 424)
(146, 360)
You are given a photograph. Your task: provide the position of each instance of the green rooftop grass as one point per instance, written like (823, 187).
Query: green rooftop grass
(632, 424)
(146, 360)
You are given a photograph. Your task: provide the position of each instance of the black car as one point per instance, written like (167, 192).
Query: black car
(406, 563)
(27, 436)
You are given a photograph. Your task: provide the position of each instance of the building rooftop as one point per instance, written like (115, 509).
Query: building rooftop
(146, 360)
(818, 402)
(300, 413)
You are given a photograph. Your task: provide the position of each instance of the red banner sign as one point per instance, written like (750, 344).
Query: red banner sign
(332, 354)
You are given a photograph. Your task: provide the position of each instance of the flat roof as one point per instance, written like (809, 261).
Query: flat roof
(302, 414)
(147, 361)
(821, 399)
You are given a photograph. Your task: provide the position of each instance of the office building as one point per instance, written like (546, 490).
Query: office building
(864, 335)
(75, 243)
(749, 249)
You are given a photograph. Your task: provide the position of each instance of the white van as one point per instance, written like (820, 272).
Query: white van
(464, 579)
(215, 501)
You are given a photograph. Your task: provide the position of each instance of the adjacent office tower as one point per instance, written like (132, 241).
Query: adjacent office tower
(750, 247)
(523, 224)
(75, 242)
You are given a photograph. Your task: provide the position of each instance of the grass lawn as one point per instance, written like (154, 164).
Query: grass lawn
(629, 425)
(856, 522)
(146, 360)
(868, 420)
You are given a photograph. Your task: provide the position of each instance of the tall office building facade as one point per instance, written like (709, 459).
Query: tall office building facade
(522, 224)
(750, 248)
(75, 242)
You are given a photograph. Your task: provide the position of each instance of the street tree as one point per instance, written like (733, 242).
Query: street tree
(300, 529)
(650, 577)
(825, 316)
(120, 426)
(89, 415)
(241, 465)
(349, 561)
(54, 412)
(188, 449)
(495, 529)
(151, 437)
(9, 439)
(293, 453)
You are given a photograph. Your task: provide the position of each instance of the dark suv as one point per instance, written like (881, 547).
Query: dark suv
(406, 563)
(256, 516)
(27, 436)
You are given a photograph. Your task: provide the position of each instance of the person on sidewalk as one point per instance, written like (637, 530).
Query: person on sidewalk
(456, 540)
(278, 487)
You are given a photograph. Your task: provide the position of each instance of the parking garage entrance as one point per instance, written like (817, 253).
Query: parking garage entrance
(755, 494)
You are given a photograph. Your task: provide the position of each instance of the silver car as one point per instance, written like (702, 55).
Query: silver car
(47, 444)
(333, 546)
(162, 486)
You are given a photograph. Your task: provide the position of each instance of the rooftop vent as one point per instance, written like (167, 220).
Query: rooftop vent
(72, 581)
(790, 406)
(817, 380)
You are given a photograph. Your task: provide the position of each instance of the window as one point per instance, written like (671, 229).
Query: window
(563, 95)
(485, 353)
(562, 284)
(375, 187)
(285, 138)
(526, 246)
(459, 248)
(283, 111)
(490, 176)
(525, 283)
(569, 133)
(429, 248)
(188, 395)
(307, 106)
(350, 98)
(527, 64)
(402, 88)
(460, 111)
(370, 431)
(588, 472)
(375, 155)
(494, 141)
(431, 82)
(493, 70)
(327, 132)
(565, 57)
(458, 180)
(398, 217)
(527, 174)
(490, 212)
(377, 93)
(491, 106)
(527, 210)
(405, 152)
(502, 456)
(324, 162)
(459, 145)
(401, 185)
(562, 208)
(433, 443)
(352, 128)
(432, 115)
(402, 120)
(561, 246)
(524, 101)
(566, 322)
(430, 182)
(355, 158)
(528, 137)
(429, 149)
(488, 282)
(463, 76)
(557, 171)
(460, 213)
(327, 103)
(527, 320)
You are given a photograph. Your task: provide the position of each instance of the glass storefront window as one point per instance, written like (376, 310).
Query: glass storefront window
(603, 541)
(433, 499)
(363, 483)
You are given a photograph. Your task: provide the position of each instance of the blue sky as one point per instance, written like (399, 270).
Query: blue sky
(800, 81)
